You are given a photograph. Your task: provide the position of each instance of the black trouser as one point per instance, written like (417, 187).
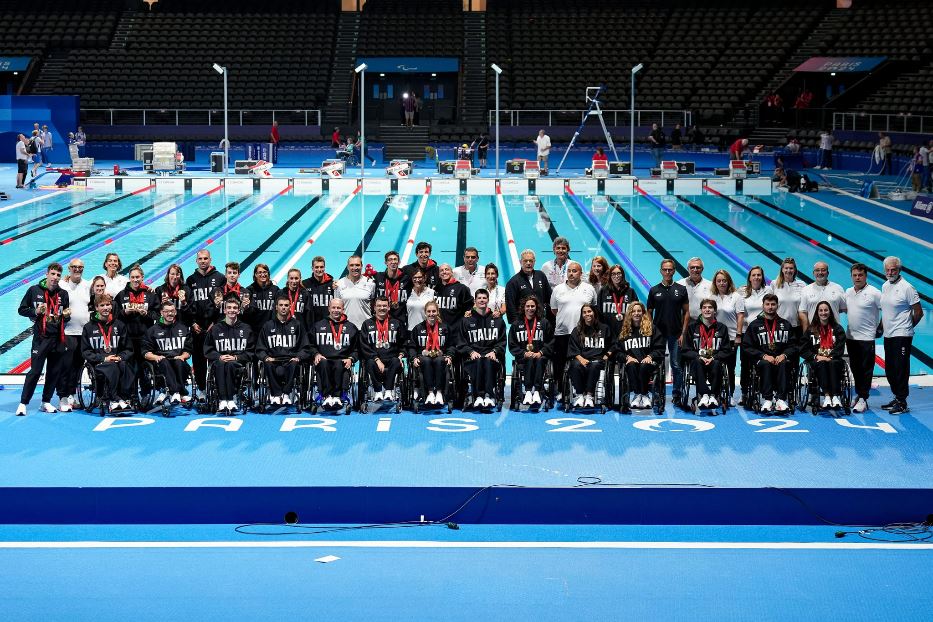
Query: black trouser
(176, 375)
(773, 379)
(533, 373)
(639, 376)
(115, 380)
(332, 377)
(281, 376)
(862, 363)
(745, 374)
(483, 373)
(433, 372)
(385, 379)
(730, 371)
(46, 352)
(137, 363)
(886, 169)
(70, 365)
(897, 364)
(585, 379)
(828, 374)
(559, 357)
(199, 362)
(227, 377)
(708, 377)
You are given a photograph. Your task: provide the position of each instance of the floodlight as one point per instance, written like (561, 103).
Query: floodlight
(496, 68)
(361, 67)
(219, 69)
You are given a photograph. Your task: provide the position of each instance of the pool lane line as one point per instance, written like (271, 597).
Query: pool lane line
(877, 203)
(259, 250)
(413, 232)
(507, 227)
(758, 247)
(461, 235)
(870, 222)
(681, 270)
(370, 232)
(697, 232)
(306, 246)
(45, 215)
(543, 213)
(7, 208)
(611, 241)
(852, 243)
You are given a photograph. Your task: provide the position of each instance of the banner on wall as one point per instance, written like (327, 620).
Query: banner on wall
(840, 64)
(14, 63)
(923, 206)
(410, 64)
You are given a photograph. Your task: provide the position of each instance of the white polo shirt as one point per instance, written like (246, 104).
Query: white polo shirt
(357, 298)
(79, 297)
(896, 302)
(728, 308)
(696, 293)
(555, 274)
(115, 285)
(814, 294)
(789, 300)
(415, 306)
(544, 145)
(568, 301)
(474, 281)
(752, 301)
(864, 311)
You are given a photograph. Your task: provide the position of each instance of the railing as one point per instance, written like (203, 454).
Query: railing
(876, 122)
(613, 118)
(156, 116)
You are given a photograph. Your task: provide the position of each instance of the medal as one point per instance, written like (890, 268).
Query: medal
(530, 333)
(772, 328)
(433, 341)
(771, 347)
(619, 303)
(105, 336)
(619, 317)
(530, 347)
(393, 304)
(382, 333)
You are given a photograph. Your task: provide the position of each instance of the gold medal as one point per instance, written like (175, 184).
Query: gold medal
(530, 347)
(772, 347)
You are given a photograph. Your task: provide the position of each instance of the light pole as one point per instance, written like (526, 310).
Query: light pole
(361, 69)
(223, 71)
(631, 142)
(498, 71)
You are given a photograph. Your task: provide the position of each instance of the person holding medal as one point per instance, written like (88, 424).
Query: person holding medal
(589, 348)
(822, 347)
(174, 290)
(770, 344)
(299, 299)
(334, 343)
(232, 286)
(105, 344)
(530, 342)
(282, 346)
(382, 343)
(135, 306)
(641, 349)
(48, 306)
(482, 344)
(167, 344)
(430, 350)
(394, 285)
(707, 344)
(229, 347)
(263, 294)
(615, 298)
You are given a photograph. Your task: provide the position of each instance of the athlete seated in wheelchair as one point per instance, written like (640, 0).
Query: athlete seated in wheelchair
(348, 153)
(334, 343)
(382, 347)
(166, 348)
(431, 351)
(530, 342)
(481, 342)
(705, 351)
(282, 350)
(822, 348)
(229, 348)
(641, 352)
(769, 343)
(588, 351)
(106, 348)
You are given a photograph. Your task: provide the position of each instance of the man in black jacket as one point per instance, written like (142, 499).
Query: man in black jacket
(105, 344)
(229, 347)
(168, 345)
(334, 344)
(528, 281)
(482, 344)
(281, 348)
(382, 343)
(769, 342)
(203, 311)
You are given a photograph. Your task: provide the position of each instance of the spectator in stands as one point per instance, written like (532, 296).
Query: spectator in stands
(81, 141)
(774, 108)
(543, 142)
(46, 145)
(22, 160)
(825, 158)
(884, 143)
(803, 99)
(900, 314)
(793, 145)
(335, 138)
(408, 107)
(657, 141)
(738, 149)
(677, 137)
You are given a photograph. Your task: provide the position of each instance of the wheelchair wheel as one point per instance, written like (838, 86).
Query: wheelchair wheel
(87, 390)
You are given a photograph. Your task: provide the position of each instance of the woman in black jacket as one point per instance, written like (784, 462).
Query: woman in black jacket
(642, 350)
(823, 345)
(588, 349)
(530, 342)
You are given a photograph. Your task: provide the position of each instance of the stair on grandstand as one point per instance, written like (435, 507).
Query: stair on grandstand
(404, 143)
(474, 67)
(125, 27)
(337, 109)
(770, 136)
(53, 69)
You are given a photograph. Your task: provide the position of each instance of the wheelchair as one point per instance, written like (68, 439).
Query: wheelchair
(314, 400)
(157, 382)
(657, 389)
(350, 157)
(517, 385)
(297, 395)
(89, 394)
(686, 402)
(754, 399)
(244, 394)
(807, 390)
(417, 392)
(399, 395)
(603, 397)
(465, 389)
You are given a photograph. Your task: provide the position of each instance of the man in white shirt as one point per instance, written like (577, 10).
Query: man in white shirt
(543, 141)
(863, 307)
(356, 291)
(22, 161)
(900, 313)
(470, 274)
(819, 290)
(79, 296)
(566, 301)
(556, 269)
(698, 288)
(825, 158)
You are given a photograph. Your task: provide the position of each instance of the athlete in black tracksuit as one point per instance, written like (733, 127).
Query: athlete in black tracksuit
(319, 294)
(706, 340)
(281, 348)
(106, 345)
(138, 308)
(591, 343)
(203, 312)
(382, 339)
(538, 333)
(229, 347)
(770, 344)
(395, 288)
(168, 345)
(431, 349)
(453, 299)
(48, 333)
(263, 295)
(482, 342)
(334, 348)
(638, 346)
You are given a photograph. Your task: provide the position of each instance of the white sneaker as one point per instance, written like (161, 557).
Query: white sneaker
(275, 400)
(713, 402)
(48, 408)
(479, 402)
(185, 399)
(704, 401)
(837, 402)
(231, 405)
(114, 406)
(781, 406)
(644, 401)
(536, 398)
(438, 398)
(222, 405)
(430, 399)
(578, 403)
(766, 406)
(176, 398)
(160, 398)
(588, 402)
(825, 403)
(860, 406)
(21, 410)
(287, 399)
(527, 399)
(489, 403)
(64, 405)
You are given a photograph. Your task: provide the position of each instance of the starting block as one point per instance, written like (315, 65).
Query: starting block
(463, 169)
(260, 169)
(333, 168)
(738, 169)
(532, 169)
(669, 169)
(600, 169)
(399, 168)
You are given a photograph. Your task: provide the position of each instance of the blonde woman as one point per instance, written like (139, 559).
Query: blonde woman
(642, 350)
(730, 312)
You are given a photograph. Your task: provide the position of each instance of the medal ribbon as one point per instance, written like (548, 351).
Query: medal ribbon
(336, 334)
(530, 331)
(382, 331)
(706, 337)
(826, 337)
(105, 335)
(53, 304)
(433, 341)
(771, 329)
(292, 302)
(392, 290)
